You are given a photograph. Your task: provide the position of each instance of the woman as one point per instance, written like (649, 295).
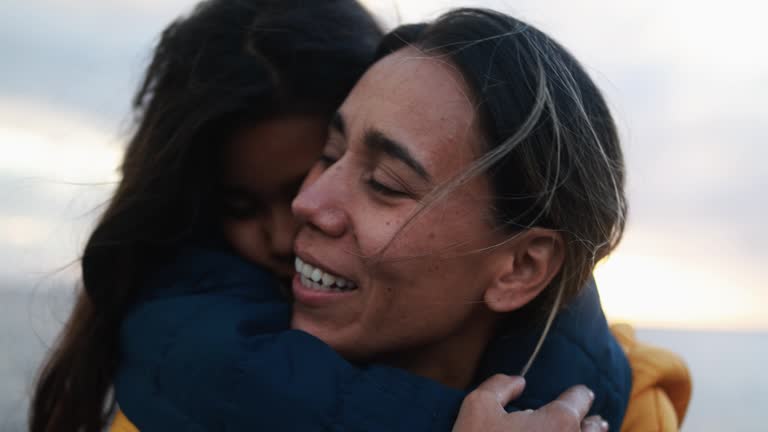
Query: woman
(265, 69)
(474, 171)
(472, 179)
(385, 245)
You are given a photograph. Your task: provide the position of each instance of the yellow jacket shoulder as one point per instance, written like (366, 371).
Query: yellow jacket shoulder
(661, 385)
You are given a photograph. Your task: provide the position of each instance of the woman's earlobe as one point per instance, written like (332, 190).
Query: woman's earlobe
(525, 269)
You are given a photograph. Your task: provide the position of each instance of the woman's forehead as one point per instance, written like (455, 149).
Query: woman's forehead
(415, 80)
(418, 100)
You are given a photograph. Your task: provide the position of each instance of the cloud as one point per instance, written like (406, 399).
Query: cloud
(79, 56)
(69, 69)
(686, 80)
(57, 169)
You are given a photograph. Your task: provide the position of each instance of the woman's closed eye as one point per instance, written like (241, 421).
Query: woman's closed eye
(377, 186)
(386, 182)
(383, 189)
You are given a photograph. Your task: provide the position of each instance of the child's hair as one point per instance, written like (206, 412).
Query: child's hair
(226, 65)
(553, 152)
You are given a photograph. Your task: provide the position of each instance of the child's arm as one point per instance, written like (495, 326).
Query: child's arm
(209, 348)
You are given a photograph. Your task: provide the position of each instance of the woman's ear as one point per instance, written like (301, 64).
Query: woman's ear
(524, 267)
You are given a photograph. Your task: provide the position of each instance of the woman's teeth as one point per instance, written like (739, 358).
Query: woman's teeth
(315, 278)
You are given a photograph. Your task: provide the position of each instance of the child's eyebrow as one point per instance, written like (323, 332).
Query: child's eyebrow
(233, 189)
(292, 186)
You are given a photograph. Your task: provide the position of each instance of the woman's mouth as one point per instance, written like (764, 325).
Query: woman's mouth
(318, 279)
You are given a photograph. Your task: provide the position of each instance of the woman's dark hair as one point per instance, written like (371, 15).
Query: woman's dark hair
(226, 65)
(552, 148)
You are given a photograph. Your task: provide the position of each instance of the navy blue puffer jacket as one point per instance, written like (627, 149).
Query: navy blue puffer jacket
(207, 348)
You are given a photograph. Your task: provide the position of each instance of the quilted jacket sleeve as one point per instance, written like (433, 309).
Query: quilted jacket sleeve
(209, 350)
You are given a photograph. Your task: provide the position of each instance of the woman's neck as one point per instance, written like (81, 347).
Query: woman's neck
(451, 361)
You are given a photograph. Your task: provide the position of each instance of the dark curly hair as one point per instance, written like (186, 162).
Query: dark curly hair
(227, 64)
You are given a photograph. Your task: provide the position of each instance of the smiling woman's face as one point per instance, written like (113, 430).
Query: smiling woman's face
(407, 127)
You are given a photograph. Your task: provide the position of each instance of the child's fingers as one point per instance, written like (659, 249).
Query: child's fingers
(594, 424)
(503, 388)
(578, 399)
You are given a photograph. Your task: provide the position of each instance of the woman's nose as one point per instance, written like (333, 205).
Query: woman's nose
(320, 202)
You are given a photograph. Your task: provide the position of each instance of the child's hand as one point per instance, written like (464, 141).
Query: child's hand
(483, 410)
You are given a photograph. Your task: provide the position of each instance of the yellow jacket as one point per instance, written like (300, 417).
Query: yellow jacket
(122, 424)
(661, 388)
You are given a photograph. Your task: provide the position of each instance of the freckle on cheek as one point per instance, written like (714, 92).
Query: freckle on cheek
(431, 235)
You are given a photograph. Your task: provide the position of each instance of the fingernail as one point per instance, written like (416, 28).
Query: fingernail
(591, 394)
(604, 425)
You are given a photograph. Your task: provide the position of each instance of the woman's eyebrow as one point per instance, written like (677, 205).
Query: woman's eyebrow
(378, 142)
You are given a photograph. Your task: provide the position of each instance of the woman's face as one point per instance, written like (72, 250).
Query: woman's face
(407, 127)
(262, 169)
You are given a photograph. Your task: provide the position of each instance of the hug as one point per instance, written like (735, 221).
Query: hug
(324, 227)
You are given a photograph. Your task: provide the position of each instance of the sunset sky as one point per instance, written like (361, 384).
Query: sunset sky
(686, 80)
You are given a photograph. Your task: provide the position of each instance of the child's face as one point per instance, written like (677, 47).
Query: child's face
(262, 170)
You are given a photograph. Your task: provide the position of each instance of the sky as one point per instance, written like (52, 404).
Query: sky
(686, 81)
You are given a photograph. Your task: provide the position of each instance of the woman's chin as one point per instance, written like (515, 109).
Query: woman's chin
(337, 337)
(332, 316)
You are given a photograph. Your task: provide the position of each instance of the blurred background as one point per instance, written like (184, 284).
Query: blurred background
(687, 81)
